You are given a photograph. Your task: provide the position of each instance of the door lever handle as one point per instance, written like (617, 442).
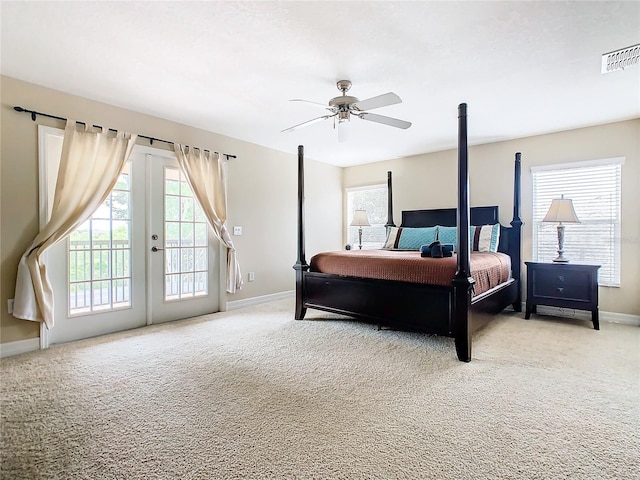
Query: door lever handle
(156, 249)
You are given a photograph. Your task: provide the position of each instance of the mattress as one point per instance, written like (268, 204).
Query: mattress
(488, 269)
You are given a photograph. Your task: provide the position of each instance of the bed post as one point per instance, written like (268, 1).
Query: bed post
(462, 282)
(516, 236)
(301, 264)
(389, 203)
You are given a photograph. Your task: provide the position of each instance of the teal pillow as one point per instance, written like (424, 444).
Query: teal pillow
(450, 235)
(414, 238)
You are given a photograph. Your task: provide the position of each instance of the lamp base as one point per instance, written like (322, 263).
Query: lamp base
(560, 258)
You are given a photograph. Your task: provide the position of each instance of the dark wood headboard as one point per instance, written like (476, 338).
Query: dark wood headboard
(447, 217)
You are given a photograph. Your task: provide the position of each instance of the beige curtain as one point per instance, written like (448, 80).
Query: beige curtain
(91, 162)
(206, 175)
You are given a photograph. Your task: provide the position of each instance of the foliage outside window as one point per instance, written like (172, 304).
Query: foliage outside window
(372, 199)
(594, 187)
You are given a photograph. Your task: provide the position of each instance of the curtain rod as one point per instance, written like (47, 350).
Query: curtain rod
(151, 139)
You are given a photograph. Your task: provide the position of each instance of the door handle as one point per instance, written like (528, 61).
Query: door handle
(156, 249)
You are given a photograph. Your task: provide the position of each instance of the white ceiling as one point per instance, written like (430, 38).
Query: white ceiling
(524, 68)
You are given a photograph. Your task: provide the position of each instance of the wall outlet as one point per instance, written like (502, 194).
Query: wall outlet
(237, 230)
(10, 305)
(252, 276)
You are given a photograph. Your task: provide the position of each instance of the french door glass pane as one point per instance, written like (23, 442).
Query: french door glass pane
(100, 255)
(185, 228)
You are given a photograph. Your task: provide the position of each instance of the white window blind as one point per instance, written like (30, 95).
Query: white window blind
(373, 199)
(594, 188)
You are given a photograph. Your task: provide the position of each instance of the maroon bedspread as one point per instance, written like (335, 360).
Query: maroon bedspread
(487, 269)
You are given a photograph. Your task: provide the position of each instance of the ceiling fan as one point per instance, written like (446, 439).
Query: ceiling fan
(344, 106)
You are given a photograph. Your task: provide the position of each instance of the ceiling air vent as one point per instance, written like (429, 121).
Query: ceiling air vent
(620, 59)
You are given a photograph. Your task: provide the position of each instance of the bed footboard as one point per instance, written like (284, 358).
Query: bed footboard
(402, 305)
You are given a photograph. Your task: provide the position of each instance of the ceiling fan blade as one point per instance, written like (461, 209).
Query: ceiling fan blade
(394, 122)
(321, 105)
(377, 102)
(308, 122)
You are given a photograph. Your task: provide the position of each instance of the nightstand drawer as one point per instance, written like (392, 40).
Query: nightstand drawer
(574, 285)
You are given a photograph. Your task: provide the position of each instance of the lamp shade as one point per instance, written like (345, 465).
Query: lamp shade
(360, 219)
(561, 210)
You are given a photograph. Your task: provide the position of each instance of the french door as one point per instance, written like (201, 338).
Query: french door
(145, 256)
(182, 261)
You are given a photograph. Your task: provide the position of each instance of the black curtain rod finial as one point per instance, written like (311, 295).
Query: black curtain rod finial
(32, 112)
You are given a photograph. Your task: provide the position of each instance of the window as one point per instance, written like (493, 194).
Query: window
(594, 188)
(372, 199)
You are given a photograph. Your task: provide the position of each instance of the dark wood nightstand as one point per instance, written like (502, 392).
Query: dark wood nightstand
(566, 285)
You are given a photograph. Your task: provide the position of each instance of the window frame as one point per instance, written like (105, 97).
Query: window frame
(349, 217)
(610, 274)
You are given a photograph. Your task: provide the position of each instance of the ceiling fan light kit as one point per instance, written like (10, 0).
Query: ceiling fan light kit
(342, 107)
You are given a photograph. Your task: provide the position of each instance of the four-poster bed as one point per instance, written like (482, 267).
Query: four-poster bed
(452, 307)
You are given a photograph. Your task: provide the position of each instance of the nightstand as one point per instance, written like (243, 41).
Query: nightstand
(566, 285)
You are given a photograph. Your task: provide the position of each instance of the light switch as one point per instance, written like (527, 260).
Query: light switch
(237, 230)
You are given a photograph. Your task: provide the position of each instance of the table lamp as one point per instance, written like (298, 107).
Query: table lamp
(360, 219)
(561, 211)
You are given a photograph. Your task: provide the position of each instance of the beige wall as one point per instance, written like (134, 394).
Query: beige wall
(429, 181)
(262, 192)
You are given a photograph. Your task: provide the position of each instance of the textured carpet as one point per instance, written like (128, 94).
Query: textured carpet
(254, 394)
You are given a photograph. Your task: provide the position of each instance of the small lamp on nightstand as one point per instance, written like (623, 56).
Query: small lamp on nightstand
(360, 219)
(561, 210)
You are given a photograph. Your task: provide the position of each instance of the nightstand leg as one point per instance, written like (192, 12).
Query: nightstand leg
(527, 312)
(595, 319)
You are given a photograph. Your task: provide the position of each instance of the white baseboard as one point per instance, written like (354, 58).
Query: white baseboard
(247, 302)
(623, 318)
(21, 346)
(611, 317)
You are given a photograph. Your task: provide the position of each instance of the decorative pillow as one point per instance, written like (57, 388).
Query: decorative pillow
(450, 235)
(486, 238)
(405, 238)
(392, 238)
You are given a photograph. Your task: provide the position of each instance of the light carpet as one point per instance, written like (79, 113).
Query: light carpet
(254, 394)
